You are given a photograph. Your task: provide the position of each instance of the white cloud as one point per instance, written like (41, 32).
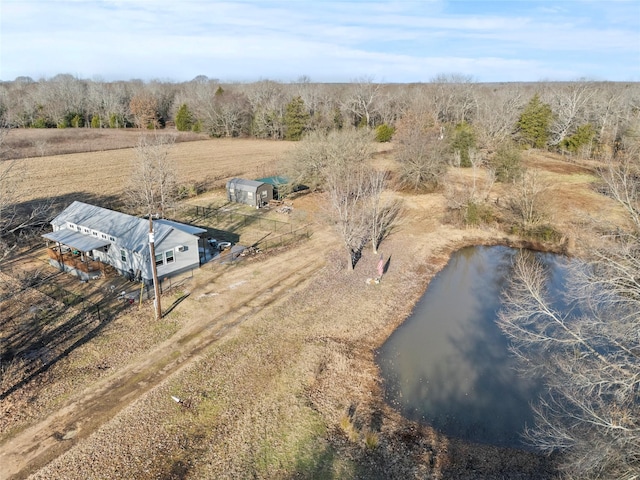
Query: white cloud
(404, 40)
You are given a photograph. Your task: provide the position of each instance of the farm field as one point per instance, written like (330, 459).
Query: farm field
(102, 176)
(273, 355)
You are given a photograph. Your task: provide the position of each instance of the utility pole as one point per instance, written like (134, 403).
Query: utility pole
(154, 269)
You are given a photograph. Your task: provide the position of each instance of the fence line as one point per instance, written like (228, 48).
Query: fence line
(285, 238)
(230, 215)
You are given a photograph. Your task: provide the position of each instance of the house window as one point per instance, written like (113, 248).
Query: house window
(159, 259)
(86, 230)
(169, 256)
(72, 226)
(103, 236)
(94, 233)
(112, 239)
(123, 255)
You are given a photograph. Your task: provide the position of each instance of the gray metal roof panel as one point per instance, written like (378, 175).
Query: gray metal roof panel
(131, 232)
(193, 230)
(84, 243)
(243, 182)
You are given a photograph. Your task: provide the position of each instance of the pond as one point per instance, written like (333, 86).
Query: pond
(448, 365)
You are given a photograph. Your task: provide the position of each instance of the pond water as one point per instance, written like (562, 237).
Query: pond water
(448, 364)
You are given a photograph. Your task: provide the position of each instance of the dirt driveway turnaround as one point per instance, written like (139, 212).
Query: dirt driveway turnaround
(242, 290)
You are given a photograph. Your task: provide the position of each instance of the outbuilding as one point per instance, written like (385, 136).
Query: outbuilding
(250, 192)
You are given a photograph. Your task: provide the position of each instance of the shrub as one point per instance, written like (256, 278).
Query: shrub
(583, 137)
(384, 133)
(463, 140)
(95, 121)
(349, 428)
(507, 162)
(40, 122)
(477, 214)
(371, 439)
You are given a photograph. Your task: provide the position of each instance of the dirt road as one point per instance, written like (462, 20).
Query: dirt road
(229, 299)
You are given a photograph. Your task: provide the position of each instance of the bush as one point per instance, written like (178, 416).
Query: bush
(477, 213)
(463, 141)
(95, 121)
(540, 233)
(384, 133)
(507, 163)
(583, 137)
(40, 122)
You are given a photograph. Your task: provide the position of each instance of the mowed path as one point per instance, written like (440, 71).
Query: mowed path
(229, 306)
(107, 173)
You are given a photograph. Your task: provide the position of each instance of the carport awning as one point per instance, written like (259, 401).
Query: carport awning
(83, 243)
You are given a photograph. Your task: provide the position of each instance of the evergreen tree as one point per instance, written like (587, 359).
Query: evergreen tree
(184, 119)
(583, 137)
(533, 125)
(507, 162)
(296, 119)
(462, 141)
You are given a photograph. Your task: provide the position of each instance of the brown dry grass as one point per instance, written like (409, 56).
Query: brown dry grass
(40, 142)
(274, 355)
(102, 176)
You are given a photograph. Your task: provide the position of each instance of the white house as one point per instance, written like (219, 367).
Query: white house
(90, 240)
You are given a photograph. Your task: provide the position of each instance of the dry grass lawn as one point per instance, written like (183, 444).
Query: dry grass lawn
(272, 356)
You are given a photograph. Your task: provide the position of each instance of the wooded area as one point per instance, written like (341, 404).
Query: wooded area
(582, 117)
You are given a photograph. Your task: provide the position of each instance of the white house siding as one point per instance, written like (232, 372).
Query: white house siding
(134, 261)
(183, 261)
(131, 234)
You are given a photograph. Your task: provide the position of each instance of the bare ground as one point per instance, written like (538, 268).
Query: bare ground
(274, 359)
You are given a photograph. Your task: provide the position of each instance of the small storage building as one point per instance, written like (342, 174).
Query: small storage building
(250, 192)
(280, 185)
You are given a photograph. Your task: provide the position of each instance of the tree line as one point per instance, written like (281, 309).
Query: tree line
(581, 117)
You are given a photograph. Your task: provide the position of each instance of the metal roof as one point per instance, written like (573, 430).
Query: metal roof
(130, 232)
(84, 243)
(276, 180)
(244, 184)
(193, 230)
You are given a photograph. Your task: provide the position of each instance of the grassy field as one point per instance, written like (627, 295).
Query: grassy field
(101, 177)
(272, 356)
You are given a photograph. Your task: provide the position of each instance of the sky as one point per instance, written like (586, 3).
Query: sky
(392, 41)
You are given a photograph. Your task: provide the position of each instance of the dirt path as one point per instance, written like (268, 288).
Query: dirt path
(245, 292)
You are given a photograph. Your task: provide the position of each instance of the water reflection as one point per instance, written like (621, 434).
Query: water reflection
(449, 366)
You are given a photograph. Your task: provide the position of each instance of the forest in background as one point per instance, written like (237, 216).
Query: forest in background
(577, 118)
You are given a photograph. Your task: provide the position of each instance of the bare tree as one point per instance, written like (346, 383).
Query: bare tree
(361, 99)
(383, 211)
(470, 198)
(319, 152)
(498, 112)
(144, 108)
(591, 366)
(588, 355)
(268, 104)
(348, 191)
(17, 218)
(528, 200)
(455, 98)
(152, 189)
(420, 152)
(153, 184)
(569, 104)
